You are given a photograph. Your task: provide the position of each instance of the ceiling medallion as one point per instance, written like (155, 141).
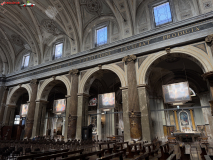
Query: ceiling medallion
(170, 59)
(93, 5)
(49, 25)
(17, 40)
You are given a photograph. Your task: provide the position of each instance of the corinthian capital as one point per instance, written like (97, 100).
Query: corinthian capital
(129, 58)
(74, 72)
(209, 39)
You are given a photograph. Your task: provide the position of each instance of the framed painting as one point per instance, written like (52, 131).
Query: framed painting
(176, 92)
(59, 106)
(106, 100)
(24, 110)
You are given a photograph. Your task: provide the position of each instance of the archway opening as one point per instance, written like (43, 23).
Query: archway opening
(172, 119)
(54, 111)
(17, 111)
(105, 105)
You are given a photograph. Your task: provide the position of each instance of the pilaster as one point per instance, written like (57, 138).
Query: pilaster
(31, 109)
(134, 114)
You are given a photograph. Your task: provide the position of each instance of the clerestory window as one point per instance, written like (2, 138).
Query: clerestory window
(162, 14)
(25, 61)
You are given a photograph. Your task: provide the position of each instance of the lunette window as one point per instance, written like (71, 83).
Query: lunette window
(58, 50)
(101, 36)
(162, 14)
(25, 62)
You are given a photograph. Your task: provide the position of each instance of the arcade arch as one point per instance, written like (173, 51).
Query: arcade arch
(177, 66)
(105, 120)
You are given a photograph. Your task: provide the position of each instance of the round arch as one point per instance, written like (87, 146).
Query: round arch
(13, 95)
(199, 56)
(48, 84)
(112, 67)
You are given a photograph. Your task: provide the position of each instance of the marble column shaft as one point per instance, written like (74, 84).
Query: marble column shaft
(31, 109)
(72, 119)
(3, 105)
(82, 114)
(133, 100)
(193, 121)
(176, 121)
(145, 113)
(126, 128)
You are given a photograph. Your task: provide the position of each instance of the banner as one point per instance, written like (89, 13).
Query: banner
(24, 110)
(176, 92)
(106, 100)
(59, 105)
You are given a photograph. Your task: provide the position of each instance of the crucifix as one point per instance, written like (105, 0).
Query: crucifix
(133, 123)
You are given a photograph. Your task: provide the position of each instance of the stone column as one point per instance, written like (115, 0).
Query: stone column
(193, 121)
(176, 121)
(134, 114)
(72, 119)
(3, 105)
(127, 136)
(2, 87)
(209, 77)
(31, 109)
(99, 127)
(145, 113)
(38, 117)
(82, 119)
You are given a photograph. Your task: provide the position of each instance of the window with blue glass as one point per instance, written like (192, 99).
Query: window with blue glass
(25, 61)
(101, 36)
(162, 14)
(58, 50)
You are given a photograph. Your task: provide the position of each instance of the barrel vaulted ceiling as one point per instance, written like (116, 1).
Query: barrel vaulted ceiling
(24, 29)
(34, 27)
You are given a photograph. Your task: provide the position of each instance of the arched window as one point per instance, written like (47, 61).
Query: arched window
(25, 61)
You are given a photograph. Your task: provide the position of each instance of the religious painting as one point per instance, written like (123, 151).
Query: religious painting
(59, 105)
(184, 121)
(176, 92)
(24, 110)
(93, 102)
(106, 100)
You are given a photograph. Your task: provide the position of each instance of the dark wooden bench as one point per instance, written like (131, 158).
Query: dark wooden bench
(143, 156)
(165, 151)
(118, 147)
(152, 149)
(32, 156)
(207, 157)
(132, 152)
(108, 157)
(171, 157)
(64, 154)
(108, 149)
(84, 156)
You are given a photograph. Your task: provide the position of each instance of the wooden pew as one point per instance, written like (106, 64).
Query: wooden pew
(172, 140)
(83, 156)
(207, 157)
(165, 151)
(108, 157)
(171, 157)
(131, 152)
(143, 156)
(32, 156)
(118, 147)
(108, 149)
(64, 154)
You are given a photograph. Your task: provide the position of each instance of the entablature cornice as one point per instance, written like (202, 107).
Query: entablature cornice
(121, 48)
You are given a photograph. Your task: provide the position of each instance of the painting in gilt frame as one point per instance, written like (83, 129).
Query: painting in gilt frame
(176, 92)
(106, 100)
(59, 106)
(24, 110)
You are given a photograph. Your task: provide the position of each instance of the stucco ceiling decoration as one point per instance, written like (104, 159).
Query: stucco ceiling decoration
(93, 6)
(49, 26)
(17, 40)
